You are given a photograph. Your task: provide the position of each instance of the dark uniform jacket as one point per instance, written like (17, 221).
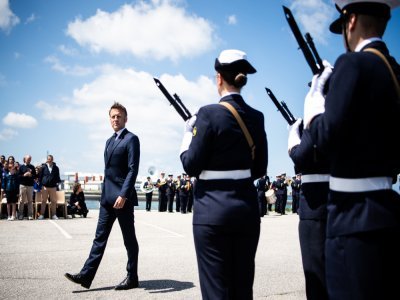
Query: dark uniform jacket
(358, 132)
(218, 144)
(314, 195)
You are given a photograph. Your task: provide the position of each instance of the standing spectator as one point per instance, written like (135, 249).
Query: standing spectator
(10, 186)
(26, 176)
(355, 122)
(77, 204)
(218, 149)
(50, 178)
(148, 187)
(170, 192)
(296, 188)
(37, 187)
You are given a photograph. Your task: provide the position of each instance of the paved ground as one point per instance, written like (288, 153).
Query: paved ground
(36, 254)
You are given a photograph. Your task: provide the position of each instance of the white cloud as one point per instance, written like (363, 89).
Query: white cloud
(7, 134)
(157, 30)
(232, 20)
(7, 18)
(58, 66)
(69, 51)
(30, 19)
(314, 16)
(18, 120)
(150, 116)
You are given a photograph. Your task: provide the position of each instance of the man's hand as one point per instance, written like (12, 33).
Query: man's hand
(119, 203)
(314, 103)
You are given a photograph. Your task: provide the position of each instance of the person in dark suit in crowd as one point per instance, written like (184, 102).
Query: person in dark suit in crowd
(170, 192)
(26, 176)
(226, 158)
(355, 122)
(296, 188)
(192, 182)
(148, 187)
(118, 198)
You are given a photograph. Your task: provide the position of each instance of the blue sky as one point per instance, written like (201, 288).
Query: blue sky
(63, 63)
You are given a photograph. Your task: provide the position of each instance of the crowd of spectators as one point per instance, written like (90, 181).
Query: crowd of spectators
(23, 184)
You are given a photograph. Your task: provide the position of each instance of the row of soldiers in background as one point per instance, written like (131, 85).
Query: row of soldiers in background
(279, 186)
(169, 189)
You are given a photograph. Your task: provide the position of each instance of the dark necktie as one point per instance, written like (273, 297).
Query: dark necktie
(111, 144)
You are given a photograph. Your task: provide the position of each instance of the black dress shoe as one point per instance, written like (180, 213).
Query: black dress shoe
(127, 284)
(79, 279)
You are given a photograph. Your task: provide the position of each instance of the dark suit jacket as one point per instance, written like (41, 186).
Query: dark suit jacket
(121, 168)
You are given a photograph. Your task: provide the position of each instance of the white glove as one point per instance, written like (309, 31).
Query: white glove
(294, 134)
(189, 124)
(314, 103)
(188, 134)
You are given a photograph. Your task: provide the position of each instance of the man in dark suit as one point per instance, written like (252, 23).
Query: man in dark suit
(118, 199)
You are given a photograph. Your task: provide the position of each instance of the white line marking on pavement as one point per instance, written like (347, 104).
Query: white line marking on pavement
(163, 229)
(66, 234)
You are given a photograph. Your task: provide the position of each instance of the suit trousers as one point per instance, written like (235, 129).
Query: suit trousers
(107, 216)
(225, 259)
(25, 196)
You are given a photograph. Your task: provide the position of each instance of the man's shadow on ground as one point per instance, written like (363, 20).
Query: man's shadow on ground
(159, 286)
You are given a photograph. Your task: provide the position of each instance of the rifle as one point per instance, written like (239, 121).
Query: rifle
(306, 46)
(175, 101)
(282, 108)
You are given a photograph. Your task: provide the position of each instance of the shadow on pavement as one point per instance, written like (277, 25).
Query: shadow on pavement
(154, 286)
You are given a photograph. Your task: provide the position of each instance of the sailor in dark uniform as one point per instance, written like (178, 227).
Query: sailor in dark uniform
(262, 200)
(278, 196)
(184, 193)
(178, 183)
(296, 188)
(226, 221)
(170, 192)
(314, 168)
(162, 192)
(356, 125)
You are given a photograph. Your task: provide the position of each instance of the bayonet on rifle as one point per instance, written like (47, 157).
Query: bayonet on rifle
(282, 108)
(174, 101)
(306, 46)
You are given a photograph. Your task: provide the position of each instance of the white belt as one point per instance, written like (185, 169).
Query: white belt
(357, 185)
(310, 178)
(232, 174)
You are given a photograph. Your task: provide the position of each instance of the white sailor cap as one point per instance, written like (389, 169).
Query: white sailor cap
(379, 8)
(234, 61)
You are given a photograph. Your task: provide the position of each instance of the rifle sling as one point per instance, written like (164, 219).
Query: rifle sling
(396, 83)
(242, 126)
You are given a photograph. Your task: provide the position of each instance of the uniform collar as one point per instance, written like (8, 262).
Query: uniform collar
(361, 45)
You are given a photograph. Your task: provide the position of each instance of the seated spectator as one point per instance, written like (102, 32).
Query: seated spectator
(10, 186)
(77, 205)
